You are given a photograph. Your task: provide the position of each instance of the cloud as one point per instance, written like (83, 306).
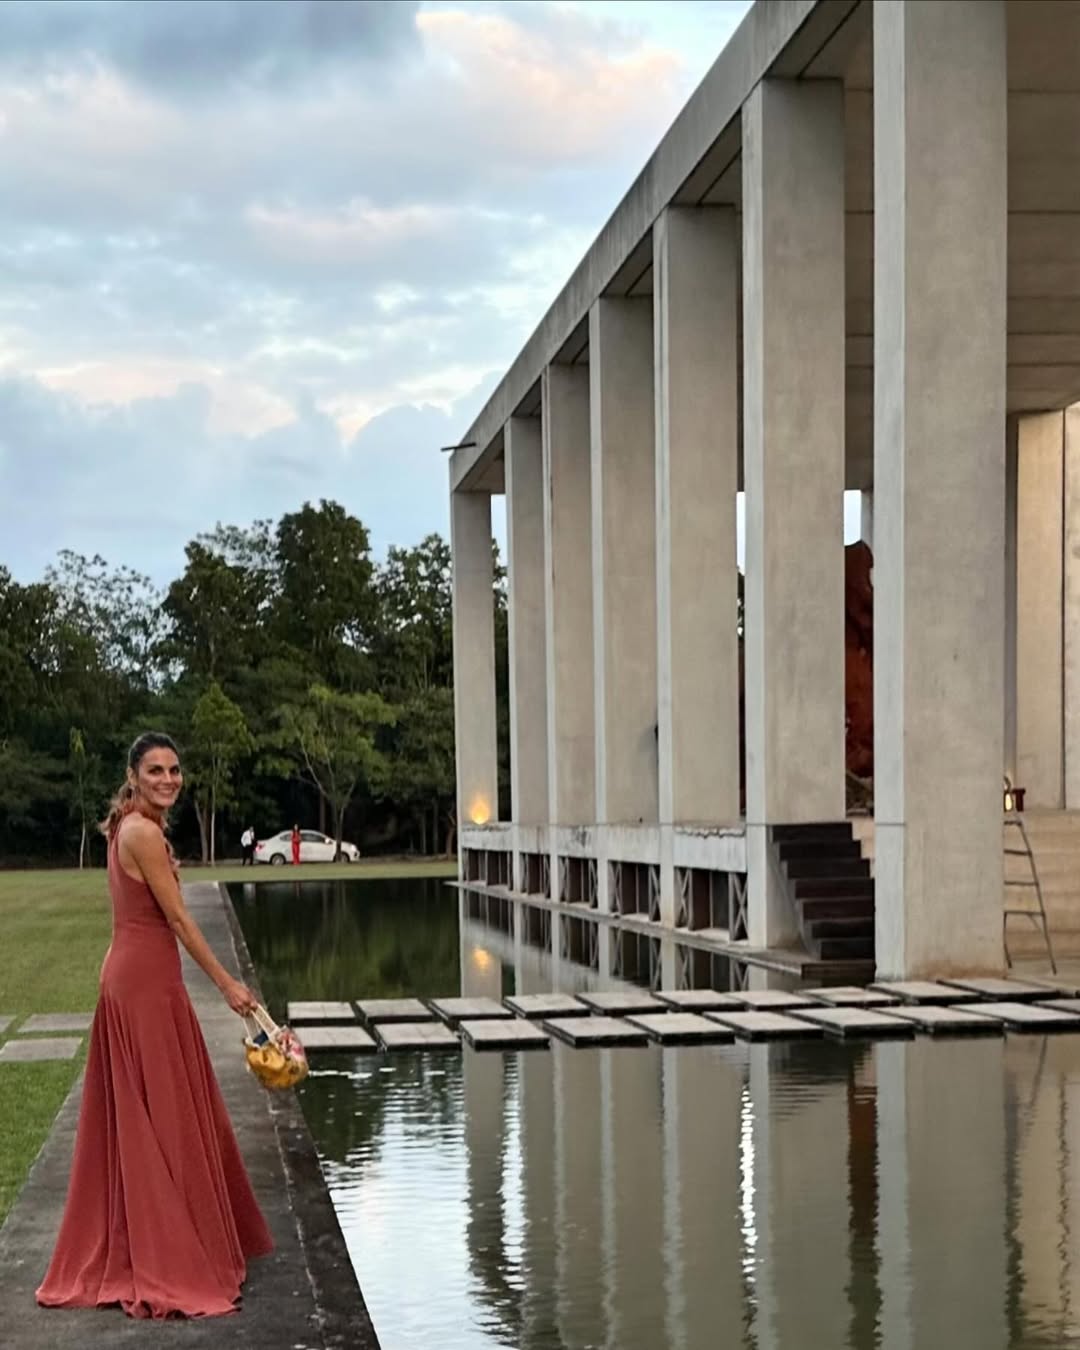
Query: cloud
(189, 48)
(252, 249)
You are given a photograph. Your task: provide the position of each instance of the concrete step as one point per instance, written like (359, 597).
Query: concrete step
(856, 927)
(836, 907)
(798, 849)
(846, 949)
(834, 888)
(800, 869)
(839, 831)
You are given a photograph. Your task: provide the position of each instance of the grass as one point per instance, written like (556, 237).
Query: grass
(54, 930)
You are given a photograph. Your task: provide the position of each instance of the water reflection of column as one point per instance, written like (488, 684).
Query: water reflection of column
(485, 1147)
(942, 1209)
(481, 968)
(537, 1108)
(579, 1257)
(633, 1180)
(1041, 1096)
(797, 1161)
(701, 1181)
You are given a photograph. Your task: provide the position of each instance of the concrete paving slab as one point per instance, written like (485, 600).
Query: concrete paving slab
(56, 1022)
(951, 1021)
(321, 1013)
(304, 1294)
(697, 1000)
(772, 1000)
(925, 991)
(39, 1048)
(1068, 1005)
(681, 1028)
(622, 1002)
(504, 1033)
(1031, 1017)
(6, 1021)
(852, 996)
(455, 1010)
(765, 1026)
(376, 1010)
(336, 1038)
(856, 1022)
(582, 1031)
(416, 1036)
(546, 1005)
(999, 990)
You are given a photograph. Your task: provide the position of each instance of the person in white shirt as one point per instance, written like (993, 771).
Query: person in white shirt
(247, 843)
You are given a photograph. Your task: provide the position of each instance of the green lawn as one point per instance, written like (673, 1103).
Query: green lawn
(54, 929)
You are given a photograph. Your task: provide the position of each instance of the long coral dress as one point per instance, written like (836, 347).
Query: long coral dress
(160, 1215)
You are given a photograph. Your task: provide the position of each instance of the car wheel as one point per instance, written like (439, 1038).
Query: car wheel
(341, 856)
(277, 859)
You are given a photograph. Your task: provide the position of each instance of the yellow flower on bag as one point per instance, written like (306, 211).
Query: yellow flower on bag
(274, 1054)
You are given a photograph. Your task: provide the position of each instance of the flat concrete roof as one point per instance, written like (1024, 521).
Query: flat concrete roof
(699, 162)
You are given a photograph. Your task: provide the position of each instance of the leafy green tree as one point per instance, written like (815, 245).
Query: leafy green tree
(219, 739)
(334, 738)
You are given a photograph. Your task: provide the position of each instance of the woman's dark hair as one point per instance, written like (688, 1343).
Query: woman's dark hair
(124, 799)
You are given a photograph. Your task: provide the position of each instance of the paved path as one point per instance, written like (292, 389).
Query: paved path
(304, 1296)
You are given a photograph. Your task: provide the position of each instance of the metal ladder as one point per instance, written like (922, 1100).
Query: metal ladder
(1015, 820)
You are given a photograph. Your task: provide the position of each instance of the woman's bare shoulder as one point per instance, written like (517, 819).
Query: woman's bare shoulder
(137, 832)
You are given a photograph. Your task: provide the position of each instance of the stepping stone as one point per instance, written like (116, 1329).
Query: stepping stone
(1029, 1017)
(546, 1005)
(1066, 1005)
(416, 1036)
(455, 1010)
(681, 1028)
(852, 996)
(622, 1002)
(924, 991)
(40, 1047)
(376, 1010)
(765, 1026)
(772, 1000)
(336, 1038)
(5, 1022)
(321, 1012)
(1010, 991)
(581, 1031)
(57, 1022)
(504, 1033)
(950, 1021)
(697, 1000)
(853, 1022)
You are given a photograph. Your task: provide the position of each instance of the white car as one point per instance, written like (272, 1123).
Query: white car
(314, 847)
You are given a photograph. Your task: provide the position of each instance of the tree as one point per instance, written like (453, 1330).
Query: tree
(219, 738)
(80, 773)
(334, 737)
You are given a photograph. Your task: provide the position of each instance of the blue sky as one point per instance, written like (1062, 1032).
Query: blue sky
(255, 253)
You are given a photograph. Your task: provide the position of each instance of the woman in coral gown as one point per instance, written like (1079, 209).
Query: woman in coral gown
(160, 1215)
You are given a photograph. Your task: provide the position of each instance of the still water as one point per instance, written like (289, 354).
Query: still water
(918, 1196)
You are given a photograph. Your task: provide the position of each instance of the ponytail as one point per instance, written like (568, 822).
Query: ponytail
(122, 804)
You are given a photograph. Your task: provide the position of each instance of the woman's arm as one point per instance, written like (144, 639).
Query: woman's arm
(145, 845)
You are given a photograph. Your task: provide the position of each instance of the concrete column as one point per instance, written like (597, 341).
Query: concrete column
(568, 596)
(793, 446)
(1040, 469)
(866, 530)
(1011, 438)
(528, 660)
(474, 658)
(623, 559)
(939, 483)
(1071, 607)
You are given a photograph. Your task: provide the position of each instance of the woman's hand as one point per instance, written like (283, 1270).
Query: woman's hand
(239, 997)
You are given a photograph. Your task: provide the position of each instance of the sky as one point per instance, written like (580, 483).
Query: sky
(255, 253)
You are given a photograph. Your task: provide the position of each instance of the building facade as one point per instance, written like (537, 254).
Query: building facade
(852, 263)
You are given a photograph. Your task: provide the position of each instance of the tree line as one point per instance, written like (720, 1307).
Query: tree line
(303, 681)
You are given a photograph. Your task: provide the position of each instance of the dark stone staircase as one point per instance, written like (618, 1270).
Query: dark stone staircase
(832, 889)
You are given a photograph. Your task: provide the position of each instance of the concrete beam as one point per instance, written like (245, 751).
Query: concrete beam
(939, 483)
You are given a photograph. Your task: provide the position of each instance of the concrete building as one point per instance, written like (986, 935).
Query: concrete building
(852, 263)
